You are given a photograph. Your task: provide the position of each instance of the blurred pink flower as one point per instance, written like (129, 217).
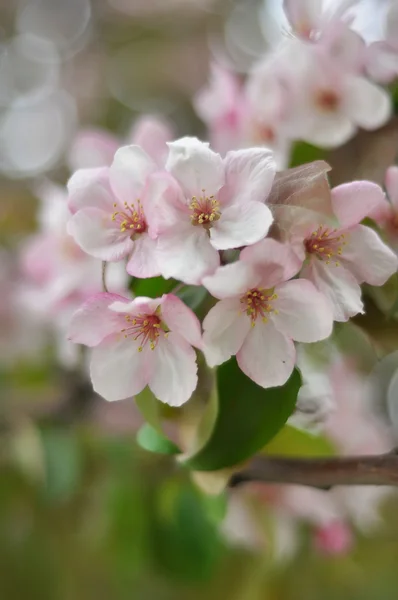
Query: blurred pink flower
(382, 56)
(260, 314)
(386, 214)
(138, 343)
(97, 147)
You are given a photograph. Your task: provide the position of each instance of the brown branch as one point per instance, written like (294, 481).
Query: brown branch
(322, 473)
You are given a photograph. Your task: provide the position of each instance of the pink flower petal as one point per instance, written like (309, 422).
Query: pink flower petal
(128, 173)
(181, 319)
(249, 175)
(164, 204)
(232, 280)
(90, 187)
(93, 321)
(92, 148)
(304, 314)
(277, 261)
(195, 166)
(173, 376)
(241, 225)
(185, 253)
(367, 104)
(267, 356)
(143, 261)
(95, 232)
(367, 257)
(328, 130)
(353, 201)
(338, 285)
(152, 133)
(303, 15)
(225, 329)
(118, 370)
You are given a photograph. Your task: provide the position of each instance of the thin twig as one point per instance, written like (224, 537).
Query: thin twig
(321, 473)
(104, 286)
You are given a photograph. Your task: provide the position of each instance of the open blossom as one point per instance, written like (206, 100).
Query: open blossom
(386, 214)
(338, 258)
(330, 101)
(382, 56)
(260, 314)
(112, 211)
(217, 205)
(310, 19)
(137, 343)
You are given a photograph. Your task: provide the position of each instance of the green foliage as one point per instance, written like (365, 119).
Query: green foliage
(63, 464)
(245, 418)
(152, 440)
(291, 441)
(154, 287)
(187, 544)
(303, 153)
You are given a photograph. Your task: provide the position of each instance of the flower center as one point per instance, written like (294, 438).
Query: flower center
(257, 303)
(327, 100)
(205, 210)
(145, 328)
(131, 218)
(325, 244)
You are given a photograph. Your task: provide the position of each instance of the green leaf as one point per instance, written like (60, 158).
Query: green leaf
(248, 416)
(154, 287)
(63, 464)
(186, 541)
(150, 439)
(192, 295)
(304, 153)
(149, 407)
(291, 441)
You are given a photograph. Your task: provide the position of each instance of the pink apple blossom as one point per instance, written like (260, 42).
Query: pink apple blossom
(218, 205)
(339, 255)
(94, 147)
(310, 18)
(260, 314)
(113, 211)
(382, 56)
(137, 343)
(54, 264)
(331, 102)
(386, 214)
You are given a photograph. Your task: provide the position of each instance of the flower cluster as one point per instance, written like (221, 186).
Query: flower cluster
(299, 256)
(317, 84)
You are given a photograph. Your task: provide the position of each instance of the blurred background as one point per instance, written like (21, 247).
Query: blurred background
(84, 513)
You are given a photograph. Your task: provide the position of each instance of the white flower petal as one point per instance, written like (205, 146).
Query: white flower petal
(225, 329)
(195, 166)
(93, 321)
(367, 104)
(181, 319)
(232, 280)
(241, 225)
(128, 173)
(367, 257)
(118, 370)
(174, 370)
(267, 356)
(90, 187)
(304, 314)
(185, 253)
(95, 232)
(143, 261)
(249, 175)
(338, 285)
